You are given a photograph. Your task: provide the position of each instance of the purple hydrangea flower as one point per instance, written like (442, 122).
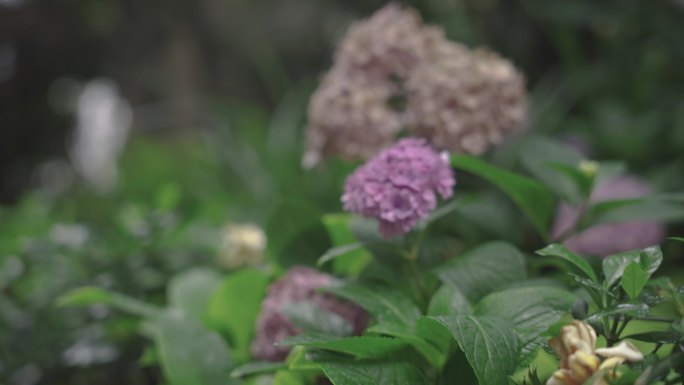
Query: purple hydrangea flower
(300, 284)
(610, 238)
(400, 185)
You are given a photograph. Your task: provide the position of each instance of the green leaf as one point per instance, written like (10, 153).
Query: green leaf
(373, 373)
(614, 265)
(680, 239)
(385, 304)
(489, 343)
(192, 289)
(90, 295)
(658, 337)
(556, 250)
(234, 306)
(535, 200)
(190, 354)
(487, 268)
(633, 280)
(637, 310)
(531, 310)
(433, 352)
(449, 301)
(539, 155)
(296, 235)
(360, 347)
(662, 208)
(257, 367)
(312, 318)
(355, 258)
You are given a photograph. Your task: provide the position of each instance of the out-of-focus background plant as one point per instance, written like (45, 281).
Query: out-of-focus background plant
(137, 137)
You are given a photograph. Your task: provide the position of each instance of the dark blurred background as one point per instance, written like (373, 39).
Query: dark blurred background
(197, 108)
(609, 70)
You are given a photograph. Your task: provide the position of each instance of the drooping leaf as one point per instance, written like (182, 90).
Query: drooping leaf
(633, 279)
(312, 318)
(192, 289)
(373, 373)
(234, 306)
(489, 343)
(190, 354)
(257, 367)
(538, 155)
(90, 295)
(487, 268)
(557, 250)
(662, 208)
(422, 339)
(535, 200)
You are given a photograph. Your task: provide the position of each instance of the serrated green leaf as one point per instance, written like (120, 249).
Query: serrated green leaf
(190, 354)
(535, 200)
(449, 301)
(360, 347)
(373, 373)
(387, 305)
(487, 268)
(310, 317)
(557, 250)
(192, 289)
(614, 265)
(633, 280)
(90, 295)
(234, 306)
(489, 343)
(531, 310)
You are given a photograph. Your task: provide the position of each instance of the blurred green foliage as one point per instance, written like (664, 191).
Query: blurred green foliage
(608, 73)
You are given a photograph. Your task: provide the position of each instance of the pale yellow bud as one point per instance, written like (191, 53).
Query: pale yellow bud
(242, 244)
(589, 168)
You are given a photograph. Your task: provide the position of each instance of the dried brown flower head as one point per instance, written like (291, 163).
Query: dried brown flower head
(465, 100)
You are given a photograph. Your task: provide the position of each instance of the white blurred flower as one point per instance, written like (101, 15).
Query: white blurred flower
(103, 121)
(242, 244)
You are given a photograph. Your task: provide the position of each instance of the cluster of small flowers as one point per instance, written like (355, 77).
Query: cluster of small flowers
(399, 186)
(610, 238)
(300, 284)
(392, 72)
(242, 245)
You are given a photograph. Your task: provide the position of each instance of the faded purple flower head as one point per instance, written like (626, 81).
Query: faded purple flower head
(300, 284)
(610, 238)
(400, 185)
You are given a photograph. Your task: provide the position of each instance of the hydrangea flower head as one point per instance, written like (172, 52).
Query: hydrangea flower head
(300, 284)
(400, 185)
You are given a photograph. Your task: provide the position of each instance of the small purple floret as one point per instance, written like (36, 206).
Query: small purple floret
(400, 185)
